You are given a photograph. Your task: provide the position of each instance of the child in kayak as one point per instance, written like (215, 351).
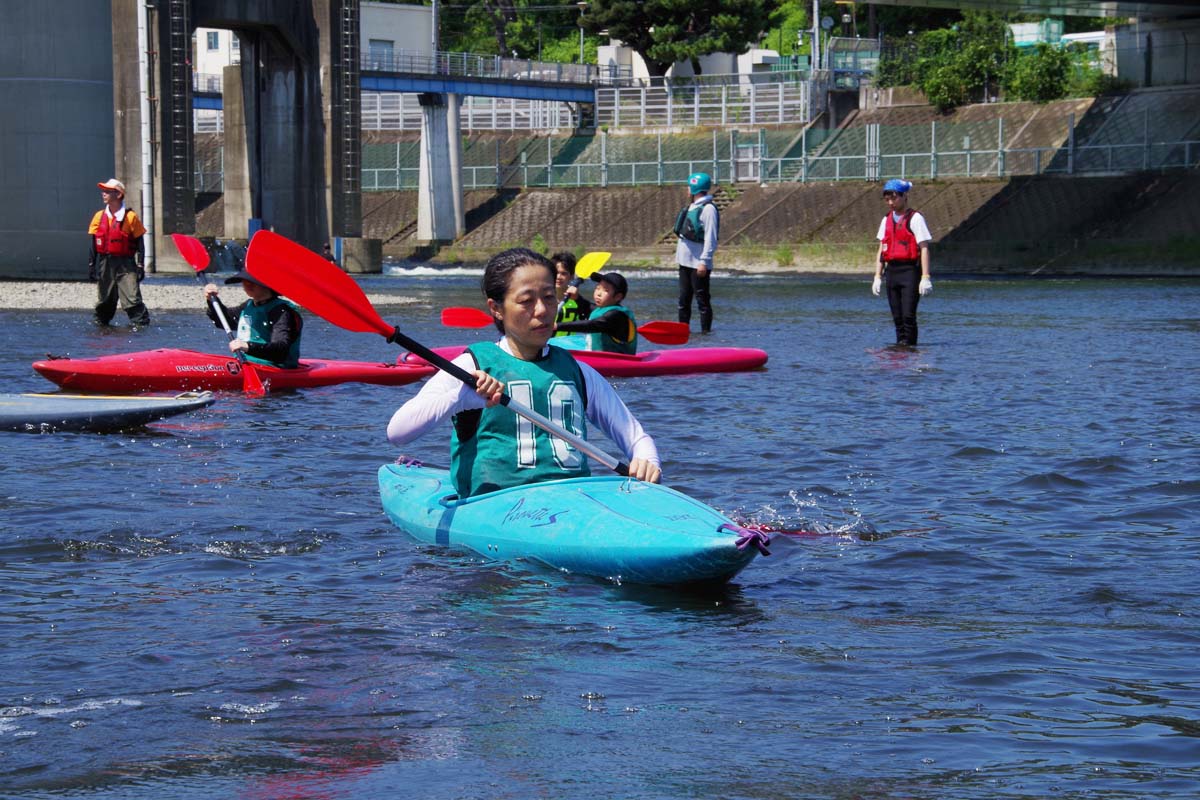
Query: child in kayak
(570, 307)
(268, 327)
(611, 326)
(492, 448)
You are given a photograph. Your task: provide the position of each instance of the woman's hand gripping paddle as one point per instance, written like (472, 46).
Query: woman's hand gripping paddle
(322, 288)
(193, 252)
(658, 331)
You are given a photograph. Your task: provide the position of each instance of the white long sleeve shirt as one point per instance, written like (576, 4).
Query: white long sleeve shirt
(443, 396)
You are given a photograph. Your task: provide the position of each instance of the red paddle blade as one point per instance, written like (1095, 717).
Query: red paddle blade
(251, 382)
(192, 250)
(463, 317)
(662, 332)
(315, 283)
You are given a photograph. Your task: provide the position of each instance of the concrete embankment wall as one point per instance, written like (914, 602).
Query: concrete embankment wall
(1141, 224)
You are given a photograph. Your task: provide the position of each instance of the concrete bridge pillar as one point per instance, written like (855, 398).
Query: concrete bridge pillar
(235, 163)
(283, 121)
(439, 199)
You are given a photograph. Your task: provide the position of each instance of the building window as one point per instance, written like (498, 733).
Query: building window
(214, 40)
(380, 53)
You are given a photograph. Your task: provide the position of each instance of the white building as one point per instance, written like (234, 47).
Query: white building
(213, 50)
(388, 29)
(615, 54)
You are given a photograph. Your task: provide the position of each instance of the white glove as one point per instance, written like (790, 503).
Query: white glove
(876, 285)
(926, 286)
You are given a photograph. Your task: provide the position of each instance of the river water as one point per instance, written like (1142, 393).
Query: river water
(997, 597)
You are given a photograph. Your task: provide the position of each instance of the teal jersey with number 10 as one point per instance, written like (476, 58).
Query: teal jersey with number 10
(493, 448)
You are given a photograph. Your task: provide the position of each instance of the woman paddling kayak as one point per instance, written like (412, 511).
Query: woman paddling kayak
(490, 447)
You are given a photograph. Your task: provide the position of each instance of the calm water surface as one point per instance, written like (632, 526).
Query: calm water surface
(1001, 601)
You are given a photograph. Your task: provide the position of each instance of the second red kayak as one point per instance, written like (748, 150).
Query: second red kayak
(167, 370)
(683, 361)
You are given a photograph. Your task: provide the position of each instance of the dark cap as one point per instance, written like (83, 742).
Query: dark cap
(242, 275)
(614, 279)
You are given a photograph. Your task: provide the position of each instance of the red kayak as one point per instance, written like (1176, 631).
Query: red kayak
(168, 370)
(683, 361)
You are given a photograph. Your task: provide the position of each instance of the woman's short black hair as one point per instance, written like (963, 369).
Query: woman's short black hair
(497, 275)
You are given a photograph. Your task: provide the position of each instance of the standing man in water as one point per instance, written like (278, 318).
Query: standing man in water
(697, 228)
(903, 247)
(117, 257)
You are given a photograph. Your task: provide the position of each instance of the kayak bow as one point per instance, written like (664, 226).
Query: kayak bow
(607, 527)
(179, 370)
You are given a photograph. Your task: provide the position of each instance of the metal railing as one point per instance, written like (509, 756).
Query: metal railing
(205, 120)
(774, 98)
(471, 65)
(995, 163)
(1087, 159)
(391, 111)
(696, 103)
(207, 82)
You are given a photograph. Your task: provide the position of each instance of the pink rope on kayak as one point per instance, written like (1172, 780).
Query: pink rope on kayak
(405, 461)
(747, 537)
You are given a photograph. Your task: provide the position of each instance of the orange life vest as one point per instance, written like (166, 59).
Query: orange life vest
(899, 243)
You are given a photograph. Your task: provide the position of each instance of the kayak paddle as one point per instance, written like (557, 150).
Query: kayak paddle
(658, 331)
(193, 252)
(662, 332)
(321, 287)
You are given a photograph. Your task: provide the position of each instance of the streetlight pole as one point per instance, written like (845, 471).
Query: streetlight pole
(582, 7)
(816, 35)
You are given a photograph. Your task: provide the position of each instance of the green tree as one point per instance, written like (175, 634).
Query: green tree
(502, 27)
(1043, 75)
(952, 66)
(788, 19)
(666, 31)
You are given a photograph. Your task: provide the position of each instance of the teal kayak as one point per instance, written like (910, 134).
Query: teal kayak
(86, 412)
(607, 527)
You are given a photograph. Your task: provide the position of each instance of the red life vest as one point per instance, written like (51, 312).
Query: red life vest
(112, 238)
(899, 243)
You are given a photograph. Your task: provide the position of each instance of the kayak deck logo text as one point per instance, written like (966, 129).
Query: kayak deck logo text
(534, 517)
(232, 367)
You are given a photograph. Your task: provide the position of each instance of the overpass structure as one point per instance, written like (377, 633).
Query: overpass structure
(298, 174)
(440, 80)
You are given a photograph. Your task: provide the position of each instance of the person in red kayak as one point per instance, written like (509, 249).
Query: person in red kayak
(492, 448)
(610, 327)
(117, 256)
(268, 327)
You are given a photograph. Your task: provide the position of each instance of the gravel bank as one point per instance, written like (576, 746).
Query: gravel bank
(78, 295)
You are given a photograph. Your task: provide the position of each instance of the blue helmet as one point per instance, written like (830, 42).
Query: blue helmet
(898, 186)
(699, 182)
